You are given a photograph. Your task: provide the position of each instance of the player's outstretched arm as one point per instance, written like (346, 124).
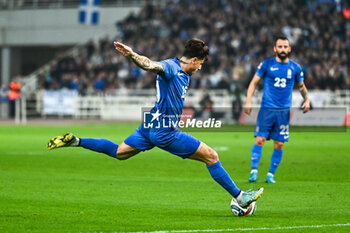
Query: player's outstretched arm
(303, 91)
(141, 61)
(250, 92)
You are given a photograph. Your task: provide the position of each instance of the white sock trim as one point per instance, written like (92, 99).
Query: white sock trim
(76, 142)
(239, 197)
(254, 170)
(270, 174)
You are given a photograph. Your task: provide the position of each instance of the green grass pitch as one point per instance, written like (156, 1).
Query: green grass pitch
(76, 190)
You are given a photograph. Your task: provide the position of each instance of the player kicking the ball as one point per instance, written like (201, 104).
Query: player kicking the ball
(171, 85)
(279, 74)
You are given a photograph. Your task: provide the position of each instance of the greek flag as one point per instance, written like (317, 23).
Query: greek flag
(89, 11)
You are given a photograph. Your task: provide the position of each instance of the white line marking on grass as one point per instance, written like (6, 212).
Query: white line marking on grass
(247, 229)
(26, 152)
(221, 148)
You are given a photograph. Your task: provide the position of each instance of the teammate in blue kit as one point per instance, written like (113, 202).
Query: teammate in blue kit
(279, 74)
(171, 86)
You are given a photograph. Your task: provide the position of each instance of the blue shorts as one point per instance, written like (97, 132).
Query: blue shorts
(174, 141)
(273, 123)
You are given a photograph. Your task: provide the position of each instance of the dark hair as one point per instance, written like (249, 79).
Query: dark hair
(280, 38)
(196, 48)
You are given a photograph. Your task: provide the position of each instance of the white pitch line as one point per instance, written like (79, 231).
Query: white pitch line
(221, 148)
(247, 229)
(26, 153)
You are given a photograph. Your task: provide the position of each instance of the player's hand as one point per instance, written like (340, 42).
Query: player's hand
(306, 106)
(248, 108)
(123, 49)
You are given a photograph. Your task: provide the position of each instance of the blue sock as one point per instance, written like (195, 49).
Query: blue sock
(255, 156)
(100, 145)
(223, 178)
(275, 160)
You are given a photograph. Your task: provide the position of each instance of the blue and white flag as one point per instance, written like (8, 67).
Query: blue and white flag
(89, 11)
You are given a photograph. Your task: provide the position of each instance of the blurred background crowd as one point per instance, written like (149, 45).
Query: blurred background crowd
(240, 35)
(27, 4)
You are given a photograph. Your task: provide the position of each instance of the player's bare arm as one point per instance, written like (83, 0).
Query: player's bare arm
(250, 93)
(304, 93)
(141, 61)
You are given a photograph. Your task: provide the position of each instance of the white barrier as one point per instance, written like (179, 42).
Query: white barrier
(59, 102)
(330, 116)
(319, 117)
(125, 105)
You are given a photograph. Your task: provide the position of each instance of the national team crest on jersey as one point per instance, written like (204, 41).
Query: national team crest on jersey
(289, 74)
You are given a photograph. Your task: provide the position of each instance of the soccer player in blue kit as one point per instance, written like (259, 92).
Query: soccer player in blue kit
(279, 74)
(173, 79)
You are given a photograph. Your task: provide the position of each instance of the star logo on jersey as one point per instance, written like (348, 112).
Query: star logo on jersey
(155, 116)
(273, 69)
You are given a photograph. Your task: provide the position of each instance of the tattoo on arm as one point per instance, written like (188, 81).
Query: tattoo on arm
(145, 63)
(303, 90)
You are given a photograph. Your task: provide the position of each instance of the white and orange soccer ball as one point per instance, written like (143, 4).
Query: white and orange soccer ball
(240, 211)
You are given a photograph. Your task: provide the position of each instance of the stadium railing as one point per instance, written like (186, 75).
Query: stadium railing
(126, 105)
(123, 104)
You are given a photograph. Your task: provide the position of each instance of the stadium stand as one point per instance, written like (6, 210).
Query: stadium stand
(319, 32)
(44, 4)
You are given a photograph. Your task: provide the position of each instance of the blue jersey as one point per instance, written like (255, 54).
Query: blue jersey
(279, 79)
(171, 87)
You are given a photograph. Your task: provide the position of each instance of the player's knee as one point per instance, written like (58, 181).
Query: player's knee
(213, 156)
(279, 145)
(260, 141)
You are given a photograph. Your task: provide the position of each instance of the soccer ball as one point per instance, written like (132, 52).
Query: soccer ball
(238, 211)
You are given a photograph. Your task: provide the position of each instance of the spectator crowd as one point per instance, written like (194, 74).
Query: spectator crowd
(240, 34)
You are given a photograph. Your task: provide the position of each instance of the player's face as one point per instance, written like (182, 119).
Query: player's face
(196, 64)
(282, 49)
